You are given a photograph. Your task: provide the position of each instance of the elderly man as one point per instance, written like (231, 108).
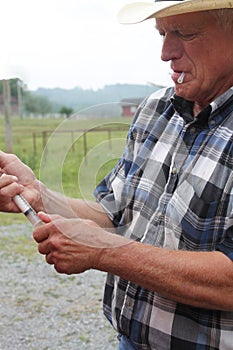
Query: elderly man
(169, 198)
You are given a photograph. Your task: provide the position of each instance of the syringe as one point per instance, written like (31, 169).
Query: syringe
(27, 210)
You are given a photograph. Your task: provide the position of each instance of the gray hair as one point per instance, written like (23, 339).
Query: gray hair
(224, 17)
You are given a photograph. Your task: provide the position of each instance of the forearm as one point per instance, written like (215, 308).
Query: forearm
(40, 197)
(55, 203)
(200, 279)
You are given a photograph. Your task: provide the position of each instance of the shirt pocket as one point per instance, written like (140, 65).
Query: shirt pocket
(198, 224)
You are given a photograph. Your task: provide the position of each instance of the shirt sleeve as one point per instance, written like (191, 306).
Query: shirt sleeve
(226, 246)
(110, 192)
(106, 194)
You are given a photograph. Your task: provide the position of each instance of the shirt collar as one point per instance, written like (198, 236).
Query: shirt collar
(185, 107)
(216, 104)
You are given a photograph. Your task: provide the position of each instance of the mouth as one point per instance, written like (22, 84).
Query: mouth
(178, 77)
(180, 80)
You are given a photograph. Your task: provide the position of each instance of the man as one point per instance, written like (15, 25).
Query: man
(169, 198)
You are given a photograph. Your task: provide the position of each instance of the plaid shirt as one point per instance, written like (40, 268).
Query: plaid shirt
(173, 188)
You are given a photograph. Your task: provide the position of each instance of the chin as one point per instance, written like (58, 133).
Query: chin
(182, 91)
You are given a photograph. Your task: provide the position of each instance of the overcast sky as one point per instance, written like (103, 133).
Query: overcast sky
(68, 43)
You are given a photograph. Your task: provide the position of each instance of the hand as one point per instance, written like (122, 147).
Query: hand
(19, 178)
(58, 239)
(11, 164)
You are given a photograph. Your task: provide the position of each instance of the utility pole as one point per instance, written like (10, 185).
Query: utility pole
(7, 113)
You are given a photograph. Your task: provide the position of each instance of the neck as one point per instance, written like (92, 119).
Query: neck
(197, 108)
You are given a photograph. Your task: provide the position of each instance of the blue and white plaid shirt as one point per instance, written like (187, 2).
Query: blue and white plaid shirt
(173, 188)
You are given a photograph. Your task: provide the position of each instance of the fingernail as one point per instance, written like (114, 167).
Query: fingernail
(14, 178)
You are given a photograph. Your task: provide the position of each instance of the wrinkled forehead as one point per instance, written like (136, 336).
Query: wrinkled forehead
(195, 21)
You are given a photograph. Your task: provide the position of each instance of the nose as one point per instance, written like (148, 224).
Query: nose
(172, 47)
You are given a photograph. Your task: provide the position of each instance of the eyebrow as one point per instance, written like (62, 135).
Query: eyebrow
(178, 27)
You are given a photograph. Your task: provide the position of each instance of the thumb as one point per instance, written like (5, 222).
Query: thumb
(44, 217)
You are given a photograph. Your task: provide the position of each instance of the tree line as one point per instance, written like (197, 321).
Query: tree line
(31, 102)
(64, 101)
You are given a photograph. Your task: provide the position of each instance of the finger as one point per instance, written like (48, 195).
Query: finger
(49, 217)
(10, 190)
(44, 217)
(50, 259)
(6, 180)
(41, 233)
(43, 247)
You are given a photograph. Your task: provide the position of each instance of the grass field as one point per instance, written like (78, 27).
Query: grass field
(65, 157)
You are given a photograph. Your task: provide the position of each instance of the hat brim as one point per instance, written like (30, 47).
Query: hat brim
(140, 11)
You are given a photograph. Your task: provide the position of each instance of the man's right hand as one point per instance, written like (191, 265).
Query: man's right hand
(18, 178)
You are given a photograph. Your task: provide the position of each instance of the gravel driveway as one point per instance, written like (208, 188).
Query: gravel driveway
(41, 309)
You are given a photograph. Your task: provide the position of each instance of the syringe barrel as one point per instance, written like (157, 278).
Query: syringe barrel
(27, 210)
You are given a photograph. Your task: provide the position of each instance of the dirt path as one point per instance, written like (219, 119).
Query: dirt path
(40, 309)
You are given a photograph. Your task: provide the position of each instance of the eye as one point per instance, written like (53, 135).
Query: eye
(185, 36)
(162, 34)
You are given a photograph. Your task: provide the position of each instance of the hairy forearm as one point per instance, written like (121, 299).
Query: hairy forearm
(55, 203)
(200, 279)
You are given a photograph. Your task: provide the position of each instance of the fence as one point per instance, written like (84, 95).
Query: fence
(45, 134)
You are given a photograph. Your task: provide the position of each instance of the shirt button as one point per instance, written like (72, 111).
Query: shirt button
(212, 122)
(174, 171)
(128, 303)
(192, 130)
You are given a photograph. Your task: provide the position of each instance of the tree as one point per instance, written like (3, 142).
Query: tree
(67, 111)
(36, 104)
(13, 86)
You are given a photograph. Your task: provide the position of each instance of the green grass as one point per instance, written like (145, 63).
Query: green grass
(57, 152)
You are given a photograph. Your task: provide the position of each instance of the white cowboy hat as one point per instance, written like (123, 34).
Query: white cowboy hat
(140, 11)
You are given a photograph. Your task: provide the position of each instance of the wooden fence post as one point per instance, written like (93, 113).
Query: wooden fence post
(85, 146)
(7, 112)
(34, 143)
(44, 142)
(72, 141)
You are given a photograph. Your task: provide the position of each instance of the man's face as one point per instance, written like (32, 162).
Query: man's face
(198, 46)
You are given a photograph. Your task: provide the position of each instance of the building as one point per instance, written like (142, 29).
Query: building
(129, 106)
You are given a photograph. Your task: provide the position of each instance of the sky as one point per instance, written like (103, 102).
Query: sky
(69, 43)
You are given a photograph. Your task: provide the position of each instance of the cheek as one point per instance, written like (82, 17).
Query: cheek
(200, 58)
(191, 88)
(205, 63)
(202, 72)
